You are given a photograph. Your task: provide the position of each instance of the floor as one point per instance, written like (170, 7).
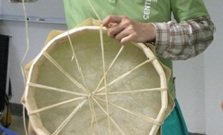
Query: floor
(17, 125)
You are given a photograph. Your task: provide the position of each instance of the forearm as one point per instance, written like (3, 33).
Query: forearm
(183, 40)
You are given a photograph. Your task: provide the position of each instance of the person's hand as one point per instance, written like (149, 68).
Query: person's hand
(125, 30)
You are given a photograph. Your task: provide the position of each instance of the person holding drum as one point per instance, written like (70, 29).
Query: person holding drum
(150, 21)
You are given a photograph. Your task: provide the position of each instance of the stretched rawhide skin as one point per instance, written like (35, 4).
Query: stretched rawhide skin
(86, 83)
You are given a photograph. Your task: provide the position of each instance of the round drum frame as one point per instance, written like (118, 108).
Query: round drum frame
(34, 111)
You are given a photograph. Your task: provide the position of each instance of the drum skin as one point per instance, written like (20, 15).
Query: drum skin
(84, 82)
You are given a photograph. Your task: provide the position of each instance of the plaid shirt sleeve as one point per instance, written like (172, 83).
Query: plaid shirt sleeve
(180, 41)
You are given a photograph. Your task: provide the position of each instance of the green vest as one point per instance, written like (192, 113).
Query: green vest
(142, 10)
(76, 11)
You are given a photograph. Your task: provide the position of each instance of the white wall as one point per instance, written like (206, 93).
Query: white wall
(190, 92)
(0, 7)
(38, 33)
